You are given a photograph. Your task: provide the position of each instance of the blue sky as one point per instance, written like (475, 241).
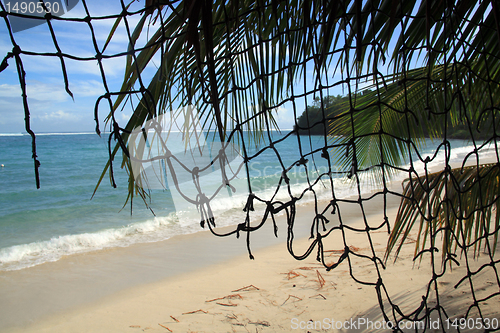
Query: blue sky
(52, 109)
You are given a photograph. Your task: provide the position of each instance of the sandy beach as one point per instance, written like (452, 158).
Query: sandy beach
(348, 152)
(202, 283)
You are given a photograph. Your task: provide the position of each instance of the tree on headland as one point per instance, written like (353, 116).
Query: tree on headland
(314, 119)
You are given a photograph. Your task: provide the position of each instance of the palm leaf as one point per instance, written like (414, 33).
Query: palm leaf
(204, 55)
(386, 122)
(390, 122)
(461, 204)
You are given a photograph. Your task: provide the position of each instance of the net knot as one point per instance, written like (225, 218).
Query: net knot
(240, 227)
(324, 153)
(206, 214)
(195, 171)
(16, 50)
(285, 177)
(323, 220)
(201, 199)
(334, 206)
(302, 161)
(249, 204)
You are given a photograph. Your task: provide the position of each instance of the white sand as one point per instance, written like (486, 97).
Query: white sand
(272, 293)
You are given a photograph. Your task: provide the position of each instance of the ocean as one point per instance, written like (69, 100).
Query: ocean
(61, 219)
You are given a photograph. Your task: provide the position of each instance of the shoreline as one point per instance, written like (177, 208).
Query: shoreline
(78, 281)
(20, 252)
(273, 293)
(131, 288)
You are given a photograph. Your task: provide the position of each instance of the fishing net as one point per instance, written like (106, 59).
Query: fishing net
(408, 71)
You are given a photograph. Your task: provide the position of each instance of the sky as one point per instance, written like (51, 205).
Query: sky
(52, 109)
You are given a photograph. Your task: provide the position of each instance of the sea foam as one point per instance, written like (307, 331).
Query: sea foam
(27, 255)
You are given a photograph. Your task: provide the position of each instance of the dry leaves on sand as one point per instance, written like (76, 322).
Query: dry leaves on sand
(247, 288)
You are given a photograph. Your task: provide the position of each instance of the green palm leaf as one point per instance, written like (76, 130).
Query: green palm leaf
(384, 123)
(207, 52)
(233, 44)
(390, 122)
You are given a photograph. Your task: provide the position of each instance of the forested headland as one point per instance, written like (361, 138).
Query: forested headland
(320, 118)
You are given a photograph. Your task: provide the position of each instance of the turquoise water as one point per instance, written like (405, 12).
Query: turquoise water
(70, 168)
(40, 225)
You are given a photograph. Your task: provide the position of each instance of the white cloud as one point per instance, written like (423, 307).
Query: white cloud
(11, 110)
(89, 88)
(50, 106)
(125, 117)
(36, 90)
(51, 65)
(284, 117)
(54, 92)
(9, 90)
(5, 45)
(75, 39)
(58, 115)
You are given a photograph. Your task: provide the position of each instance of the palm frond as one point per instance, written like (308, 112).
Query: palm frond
(224, 59)
(462, 204)
(391, 121)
